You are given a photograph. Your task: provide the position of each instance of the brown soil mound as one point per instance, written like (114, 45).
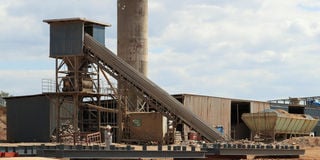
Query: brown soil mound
(303, 142)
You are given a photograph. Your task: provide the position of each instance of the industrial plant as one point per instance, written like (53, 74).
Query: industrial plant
(98, 95)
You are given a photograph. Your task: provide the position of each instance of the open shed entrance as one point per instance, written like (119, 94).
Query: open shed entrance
(239, 130)
(296, 109)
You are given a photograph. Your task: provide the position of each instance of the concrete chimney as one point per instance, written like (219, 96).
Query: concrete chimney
(133, 33)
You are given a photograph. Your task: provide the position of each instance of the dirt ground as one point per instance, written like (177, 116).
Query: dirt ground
(310, 144)
(311, 153)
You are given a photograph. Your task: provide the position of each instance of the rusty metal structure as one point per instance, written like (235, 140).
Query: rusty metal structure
(81, 58)
(79, 97)
(153, 95)
(132, 34)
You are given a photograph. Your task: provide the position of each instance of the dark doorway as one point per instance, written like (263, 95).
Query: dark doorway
(239, 130)
(296, 109)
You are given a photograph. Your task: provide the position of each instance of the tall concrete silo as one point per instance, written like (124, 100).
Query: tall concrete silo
(133, 41)
(133, 33)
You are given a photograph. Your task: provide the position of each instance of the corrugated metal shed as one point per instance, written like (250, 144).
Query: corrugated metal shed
(256, 106)
(218, 111)
(29, 118)
(33, 117)
(215, 111)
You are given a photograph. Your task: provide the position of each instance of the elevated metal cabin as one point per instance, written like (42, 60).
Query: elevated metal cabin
(67, 35)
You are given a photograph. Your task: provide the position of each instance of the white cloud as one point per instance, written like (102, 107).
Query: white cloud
(156, 6)
(24, 82)
(233, 48)
(255, 52)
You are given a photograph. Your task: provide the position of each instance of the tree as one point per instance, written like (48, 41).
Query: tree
(4, 94)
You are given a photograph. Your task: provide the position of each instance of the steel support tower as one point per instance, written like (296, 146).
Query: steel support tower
(81, 98)
(81, 59)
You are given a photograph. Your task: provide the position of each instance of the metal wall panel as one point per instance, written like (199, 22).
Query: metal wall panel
(146, 126)
(28, 119)
(258, 106)
(214, 111)
(217, 111)
(2, 102)
(99, 33)
(53, 116)
(314, 112)
(66, 39)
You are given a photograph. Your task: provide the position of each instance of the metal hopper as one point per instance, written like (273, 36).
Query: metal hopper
(270, 123)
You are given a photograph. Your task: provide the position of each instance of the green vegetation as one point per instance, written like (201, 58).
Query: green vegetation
(4, 94)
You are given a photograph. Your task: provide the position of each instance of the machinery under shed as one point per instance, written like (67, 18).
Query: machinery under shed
(208, 108)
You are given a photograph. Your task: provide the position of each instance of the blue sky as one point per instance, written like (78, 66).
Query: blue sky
(227, 48)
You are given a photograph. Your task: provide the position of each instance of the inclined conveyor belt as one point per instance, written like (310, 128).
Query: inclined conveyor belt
(141, 82)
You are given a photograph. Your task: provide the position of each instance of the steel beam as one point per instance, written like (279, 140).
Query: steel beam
(109, 154)
(128, 152)
(258, 152)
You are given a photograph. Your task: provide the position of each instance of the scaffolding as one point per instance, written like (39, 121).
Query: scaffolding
(82, 98)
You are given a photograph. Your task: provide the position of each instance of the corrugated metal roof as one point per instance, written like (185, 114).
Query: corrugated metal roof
(76, 19)
(233, 99)
(15, 97)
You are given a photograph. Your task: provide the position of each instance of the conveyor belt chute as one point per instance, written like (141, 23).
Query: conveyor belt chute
(123, 69)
